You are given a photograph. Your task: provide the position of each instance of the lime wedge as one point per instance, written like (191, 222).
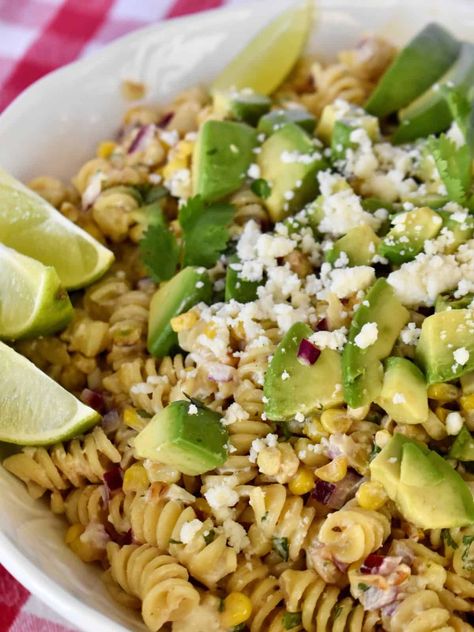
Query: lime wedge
(265, 62)
(34, 409)
(32, 226)
(32, 299)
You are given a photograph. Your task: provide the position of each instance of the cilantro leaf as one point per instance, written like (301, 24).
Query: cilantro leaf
(159, 250)
(462, 112)
(454, 167)
(205, 231)
(261, 188)
(291, 620)
(280, 546)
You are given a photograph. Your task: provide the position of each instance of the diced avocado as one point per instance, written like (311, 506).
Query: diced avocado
(426, 489)
(351, 116)
(221, 158)
(185, 289)
(246, 106)
(404, 394)
(463, 446)
(430, 113)
(418, 65)
(289, 161)
(292, 387)
(447, 301)
(185, 435)
(461, 231)
(361, 367)
(236, 288)
(407, 236)
(443, 334)
(342, 134)
(360, 245)
(276, 119)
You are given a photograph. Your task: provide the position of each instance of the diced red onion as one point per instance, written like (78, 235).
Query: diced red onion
(93, 190)
(345, 490)
(322, 325)
(93, 399)
(323, 491)
(372, 564)
(165, 119)
(113, 479)
(111, 421)
(146, 283)
(308, 353)
(120, 538)
(219, 372)
(142, 138)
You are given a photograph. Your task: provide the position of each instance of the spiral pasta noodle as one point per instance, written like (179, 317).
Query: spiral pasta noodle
(248, 206)
(335, 81)
(420, 612)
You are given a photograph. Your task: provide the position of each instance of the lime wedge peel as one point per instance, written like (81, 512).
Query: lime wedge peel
(33, 227)
(32, 299)
(265, 62)
(34, 409)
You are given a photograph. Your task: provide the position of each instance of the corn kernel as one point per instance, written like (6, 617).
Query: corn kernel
(73, 533)
(183, 322)
(467, 403)
(371, 495)
(302, 482)
(269, 461)
(135, 479)
(106, 148)
(237, 609)
(382, 437)
(334, 471)
(442, 412)
(443, 392)
(84, 550)
(171, 167)
(132, 419)
(335, 420)
(210, 331)
(314, 429)
(358, 413)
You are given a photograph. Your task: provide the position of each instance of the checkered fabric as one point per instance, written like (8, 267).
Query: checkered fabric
(37, 36)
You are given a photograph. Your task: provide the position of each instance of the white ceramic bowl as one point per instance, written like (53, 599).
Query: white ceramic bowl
(55, 125)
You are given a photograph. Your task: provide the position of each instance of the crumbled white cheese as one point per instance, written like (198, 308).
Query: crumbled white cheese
(193, 409)
(367, 336)
(347, 281)
(221, 496)
(299, 417)
(236, 535)
(330, 339)
(270, 441)
(398, 398)
(461, 356)
(234, 413)
(454, 423)
(285, 375)
(189, 530)
(253, 171)
(410, 334)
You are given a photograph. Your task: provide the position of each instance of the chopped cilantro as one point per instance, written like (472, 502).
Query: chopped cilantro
(261, 188)
(205, 231)
(337, 612)
(291, 620)
(280, 546)
(209, 536)
(154, 194)
(373, 453)
(462, 112)
(447, 538)
(363, 587)
(159, 250)
(467, 556)
(239, 628)
(454, 167)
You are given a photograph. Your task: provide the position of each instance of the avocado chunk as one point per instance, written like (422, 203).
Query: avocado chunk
(186, 436)
(426, 489)
(430, 113)
(342, 135)
(407, 236)
(463, 446)
(276, 119)
(418, 65)
(447, 301)
(404, 394)
(246, 105)
(362, 370)
(350, 117)
(289, 161)
(237, 288)
(360, 244)
(461, 230)
(292, 387)
(221, 158)
(445, 350)
(185, 289)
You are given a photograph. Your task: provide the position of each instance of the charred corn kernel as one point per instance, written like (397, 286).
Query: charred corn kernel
(135, 479)
(132, 419)
(335, 420)
(73, 533)
(435, 428)
(442, 412)
(106, 148)
(443, 392)
(333, 471)
(237, 609)
(467, 402)
(371, 495)
(269, 461)
(314, 429)
(183, 322)
(210, 331)
(302, 482)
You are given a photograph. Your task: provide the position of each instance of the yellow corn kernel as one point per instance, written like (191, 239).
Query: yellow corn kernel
(443, 392)
(442, 413)
(467, 402)
(237, 609)
(371, 495)
(132, 419)
(335, 420)
(183, 322)
(85, 551)
(269, 461)
(171, 167)
(314, 429)
(73, 533)
(382, 437)
(302, 482)
(210, 331)
(135, 479)
(106, 148)
(334, 471)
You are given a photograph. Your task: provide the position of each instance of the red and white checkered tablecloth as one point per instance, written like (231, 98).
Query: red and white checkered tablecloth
(37, 36)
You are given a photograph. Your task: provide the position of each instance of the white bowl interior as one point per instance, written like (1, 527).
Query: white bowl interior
(55, 125)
